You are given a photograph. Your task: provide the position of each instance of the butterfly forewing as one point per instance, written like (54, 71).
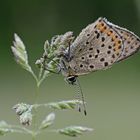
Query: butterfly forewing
(130, 40)
(97, 47)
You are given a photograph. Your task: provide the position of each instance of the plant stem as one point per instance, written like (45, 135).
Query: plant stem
(36, 98)
(44, 75)
(21, 129)
(40, 73)
(33, 136)
(39, 77)
(40, 105)
(35, 77)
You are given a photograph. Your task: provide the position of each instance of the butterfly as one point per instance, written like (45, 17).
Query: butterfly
(98, 46)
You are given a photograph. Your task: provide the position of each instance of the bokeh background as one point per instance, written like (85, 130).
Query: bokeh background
(112, 96)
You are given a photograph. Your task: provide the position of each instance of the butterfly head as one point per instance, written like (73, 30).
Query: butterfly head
(71, 79)
(67, 71)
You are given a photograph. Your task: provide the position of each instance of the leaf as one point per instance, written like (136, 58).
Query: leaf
(21, 56)
(65, 104)
(20, 53)
(74, 131)
(4, 131)
(48, 121)
(4, 128)
(3, 124)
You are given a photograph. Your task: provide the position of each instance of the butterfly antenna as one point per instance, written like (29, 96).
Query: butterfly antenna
(69, 51)
(82, 95)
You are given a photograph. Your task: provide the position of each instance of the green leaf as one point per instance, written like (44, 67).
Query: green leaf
(4, 131)
(65, 104)
(3, 124)
(20, 53)
(74, 131)
(48, 121)
(21, 56)
(4, 128)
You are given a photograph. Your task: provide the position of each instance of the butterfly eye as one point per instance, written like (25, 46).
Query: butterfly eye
(71, 79)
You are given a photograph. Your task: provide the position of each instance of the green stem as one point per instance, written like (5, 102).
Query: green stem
(40, 105)
(40, 73)
(33, 136)
(21, 129)
(34, 76)
(36, 98)
(44, 75)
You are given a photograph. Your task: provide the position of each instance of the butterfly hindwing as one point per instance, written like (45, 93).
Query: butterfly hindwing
(97, 47)
(130, 40)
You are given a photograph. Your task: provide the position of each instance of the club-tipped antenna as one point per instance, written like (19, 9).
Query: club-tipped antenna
(80, 92)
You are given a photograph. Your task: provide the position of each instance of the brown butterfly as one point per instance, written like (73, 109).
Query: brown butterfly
(98, 47)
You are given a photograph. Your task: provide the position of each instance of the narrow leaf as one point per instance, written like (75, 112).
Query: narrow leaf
(20, 53)
(48, 121)
(74, 131)
(65, 104)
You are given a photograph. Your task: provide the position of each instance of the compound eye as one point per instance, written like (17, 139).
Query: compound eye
(72, 79)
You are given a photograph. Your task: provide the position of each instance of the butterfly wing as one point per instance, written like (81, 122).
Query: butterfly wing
(130, 40)
(97, 47)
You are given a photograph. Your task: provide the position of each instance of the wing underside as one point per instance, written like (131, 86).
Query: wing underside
(97, 47)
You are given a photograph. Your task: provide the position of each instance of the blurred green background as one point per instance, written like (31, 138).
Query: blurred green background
(112, 96)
